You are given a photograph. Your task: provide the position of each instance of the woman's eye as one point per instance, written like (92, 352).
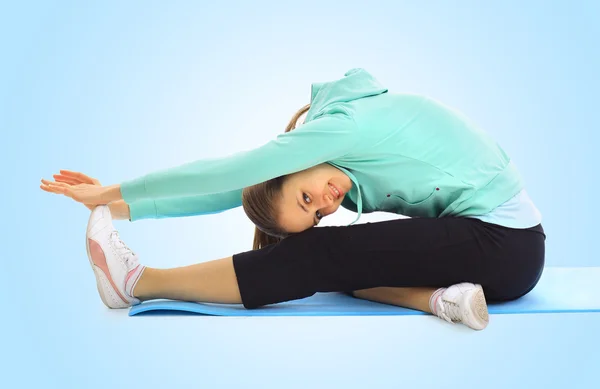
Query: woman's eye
(307, 201)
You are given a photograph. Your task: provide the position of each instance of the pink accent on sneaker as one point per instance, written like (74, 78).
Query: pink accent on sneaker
(137, 273)
(130, 274)
(134, 284)
(434, 299)
(99, 259)
(435, 304)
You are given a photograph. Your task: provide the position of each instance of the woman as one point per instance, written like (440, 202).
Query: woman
(472, 225)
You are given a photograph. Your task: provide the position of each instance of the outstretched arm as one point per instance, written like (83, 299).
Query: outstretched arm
(324, 139)
(148, 208)
(184, 206)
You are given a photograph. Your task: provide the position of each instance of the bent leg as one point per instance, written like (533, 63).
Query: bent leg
(405, 253)
(413, 298)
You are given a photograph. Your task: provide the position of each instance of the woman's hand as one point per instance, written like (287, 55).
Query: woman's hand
(71, 178)
(82, 188)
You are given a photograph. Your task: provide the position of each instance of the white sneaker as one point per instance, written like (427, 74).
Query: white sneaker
(463, 303)
(115, 266)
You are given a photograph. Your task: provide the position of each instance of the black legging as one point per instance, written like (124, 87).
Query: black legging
(425, 252)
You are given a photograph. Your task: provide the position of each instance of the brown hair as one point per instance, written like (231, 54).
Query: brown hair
(259, 202)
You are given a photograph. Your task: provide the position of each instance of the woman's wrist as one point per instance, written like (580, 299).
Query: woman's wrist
(112, 193)
(119, 210)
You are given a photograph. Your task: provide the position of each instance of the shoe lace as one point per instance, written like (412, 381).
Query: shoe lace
(124, 252)
(449, 311)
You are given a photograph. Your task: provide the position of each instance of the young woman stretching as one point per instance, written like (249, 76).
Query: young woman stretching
(472, 226)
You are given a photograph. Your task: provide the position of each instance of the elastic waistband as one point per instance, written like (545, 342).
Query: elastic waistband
(537, 229)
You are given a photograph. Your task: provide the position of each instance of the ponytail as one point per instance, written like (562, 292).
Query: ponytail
(262, 239)
(258, 202)
(292, 124)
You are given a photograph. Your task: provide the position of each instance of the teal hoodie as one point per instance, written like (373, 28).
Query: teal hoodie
(405, 153)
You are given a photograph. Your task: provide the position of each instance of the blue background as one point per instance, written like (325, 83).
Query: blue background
(119, 89)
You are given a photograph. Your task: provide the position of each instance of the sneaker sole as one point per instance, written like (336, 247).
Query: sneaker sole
(478, 309)
(107, 294)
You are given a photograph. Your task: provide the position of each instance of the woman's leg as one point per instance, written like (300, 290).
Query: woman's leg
(413, 298)
(123, 281)
(419, 252)
(431, 253)
(210, 282)
(385, 261)
(215, 282)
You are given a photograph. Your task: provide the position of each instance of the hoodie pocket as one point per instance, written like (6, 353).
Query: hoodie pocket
(415, 201)
(419, 204)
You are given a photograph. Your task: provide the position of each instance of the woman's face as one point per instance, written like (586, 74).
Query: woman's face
(310, 195)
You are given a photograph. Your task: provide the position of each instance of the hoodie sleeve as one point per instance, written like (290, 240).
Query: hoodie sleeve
(327, 138)
(184, 206)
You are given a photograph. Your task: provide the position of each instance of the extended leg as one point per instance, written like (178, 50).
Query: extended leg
(122, 281)
(213, 282)
(298, 267)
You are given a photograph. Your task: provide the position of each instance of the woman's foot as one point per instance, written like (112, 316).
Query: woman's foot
(115, 266)
(461, 303)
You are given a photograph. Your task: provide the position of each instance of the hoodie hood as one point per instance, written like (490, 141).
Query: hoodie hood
(356, 84)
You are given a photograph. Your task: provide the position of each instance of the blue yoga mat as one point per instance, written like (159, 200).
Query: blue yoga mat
(559, 290)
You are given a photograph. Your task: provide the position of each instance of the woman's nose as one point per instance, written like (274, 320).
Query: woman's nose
(326, 200)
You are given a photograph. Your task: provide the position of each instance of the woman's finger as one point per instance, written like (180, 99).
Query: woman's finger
(58, 184)
(68, 172)
(67, 180)
(45, 182)
(79, 176)
(58, 187)
(46, 188)
(53, 189)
